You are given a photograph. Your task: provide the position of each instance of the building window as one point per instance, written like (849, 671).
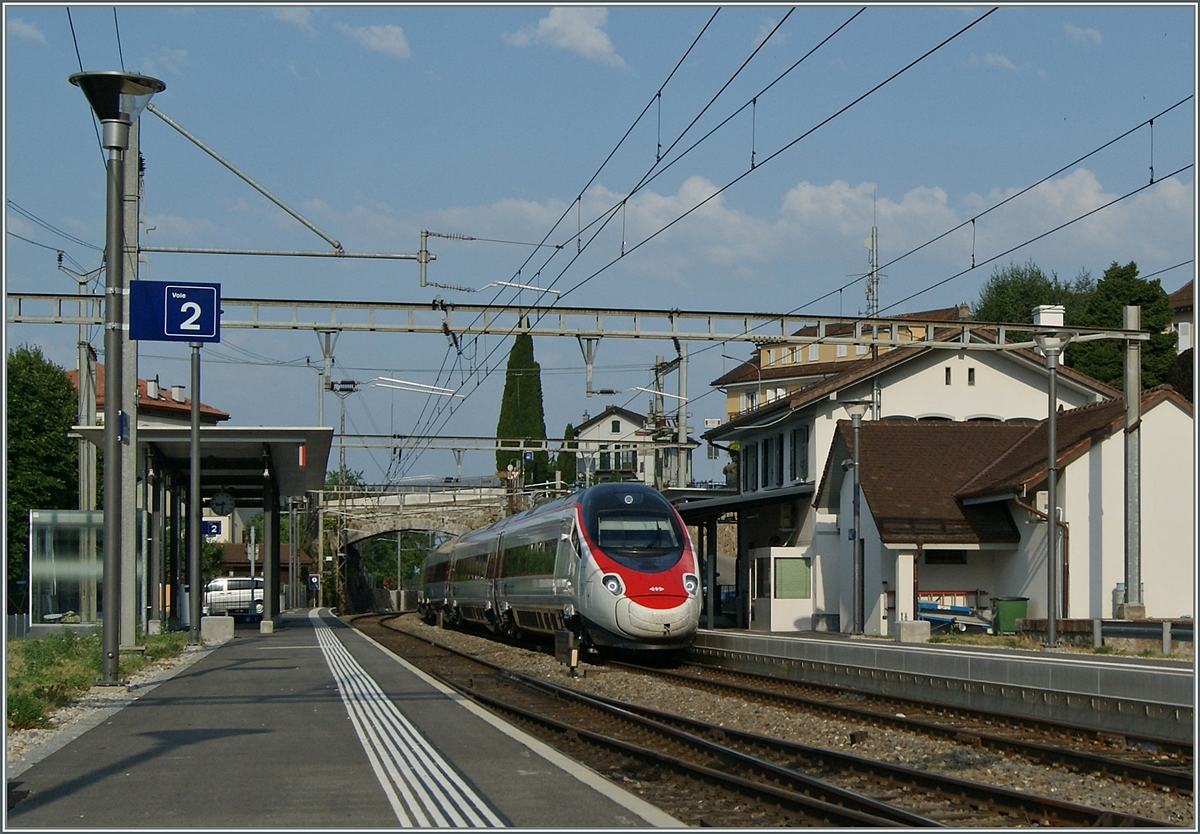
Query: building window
(793, 578)
(841, 350)
(750, 467)
(1185, 336)
(945, 557)
(970, 376)
(798, 469)
(768, 460)
(947, 376)
(860, 350)
(814, 352)
(795, 354)
(616, 427)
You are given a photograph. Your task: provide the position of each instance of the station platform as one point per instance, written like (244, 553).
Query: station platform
(313, 726)
(1134, 695)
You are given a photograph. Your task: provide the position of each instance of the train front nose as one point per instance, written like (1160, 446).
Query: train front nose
(658, 616)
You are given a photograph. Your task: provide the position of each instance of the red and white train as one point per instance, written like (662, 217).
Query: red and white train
(612, 563)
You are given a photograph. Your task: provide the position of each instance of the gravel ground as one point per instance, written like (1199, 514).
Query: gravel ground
(27, 747)
(908, 749)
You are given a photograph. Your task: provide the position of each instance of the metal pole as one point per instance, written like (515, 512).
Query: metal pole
(857, 536)
(683, 473)
(1052, 592)
(195, 579)
(1133, 467)
(113, 416)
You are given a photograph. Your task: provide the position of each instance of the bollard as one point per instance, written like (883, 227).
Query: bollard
(1166, 637)
(1097, 633)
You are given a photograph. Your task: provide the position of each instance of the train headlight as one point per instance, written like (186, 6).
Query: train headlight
(613, 584)
(691, 583)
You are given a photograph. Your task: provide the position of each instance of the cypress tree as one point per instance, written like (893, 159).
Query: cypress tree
(566, 456)
(521, 412)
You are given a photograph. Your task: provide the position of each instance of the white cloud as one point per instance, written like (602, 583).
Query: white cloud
(579, 30)
(1082, 35)
(388, 39)
(295, 15)
(28, 31)
(998, 61)
(166, 60)
(765, 29)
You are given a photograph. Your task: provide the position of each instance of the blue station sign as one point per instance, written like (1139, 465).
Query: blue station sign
(160, 311)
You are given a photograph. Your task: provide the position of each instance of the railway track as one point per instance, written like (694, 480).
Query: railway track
(1146, 761)
(711, 776)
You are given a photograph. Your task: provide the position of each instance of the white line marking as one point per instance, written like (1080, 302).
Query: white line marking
(423, 789)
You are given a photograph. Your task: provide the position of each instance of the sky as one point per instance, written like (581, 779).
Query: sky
(675, 157)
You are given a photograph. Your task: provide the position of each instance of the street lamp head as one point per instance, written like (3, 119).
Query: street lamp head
(1051, 344)
(856, 408)
(117, 98)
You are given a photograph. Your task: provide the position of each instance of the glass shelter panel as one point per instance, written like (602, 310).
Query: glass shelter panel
(66, 565)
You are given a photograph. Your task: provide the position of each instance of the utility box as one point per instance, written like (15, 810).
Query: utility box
(1007, 611)
(566, 649)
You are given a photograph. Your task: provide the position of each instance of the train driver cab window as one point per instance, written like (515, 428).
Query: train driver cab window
(640, 531)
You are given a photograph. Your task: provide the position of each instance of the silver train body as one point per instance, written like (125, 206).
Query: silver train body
(612, 563)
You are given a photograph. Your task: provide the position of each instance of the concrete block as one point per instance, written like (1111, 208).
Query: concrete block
(266, 626)
(216, 629)
(153, 627)
(911, 631)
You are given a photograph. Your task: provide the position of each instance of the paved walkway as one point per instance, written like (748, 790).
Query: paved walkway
(312, 726)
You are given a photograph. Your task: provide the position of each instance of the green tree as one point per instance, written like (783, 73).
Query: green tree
(379, 556)
(42, 460)
(1105, 359)
(212, 554)
(1010, 295)
(521, 412)
(566, 461)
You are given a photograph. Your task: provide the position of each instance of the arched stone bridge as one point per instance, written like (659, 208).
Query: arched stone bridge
(455, 511)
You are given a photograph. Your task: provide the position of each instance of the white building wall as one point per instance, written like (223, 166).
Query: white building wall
(1003, 389)
(1168, 511)
(1093, 505)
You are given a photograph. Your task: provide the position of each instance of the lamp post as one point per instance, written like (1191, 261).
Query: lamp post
(117, 99)
(1051, 343)
(856, 409)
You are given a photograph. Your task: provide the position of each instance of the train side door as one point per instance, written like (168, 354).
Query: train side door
(760, 592)
(566, 563)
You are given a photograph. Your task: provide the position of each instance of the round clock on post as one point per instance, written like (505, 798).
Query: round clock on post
(221, 504)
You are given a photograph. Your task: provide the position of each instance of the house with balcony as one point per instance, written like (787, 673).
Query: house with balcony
(954, 514)
(784, 445)
(618, 445)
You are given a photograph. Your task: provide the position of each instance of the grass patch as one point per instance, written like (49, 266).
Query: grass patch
(52, 671)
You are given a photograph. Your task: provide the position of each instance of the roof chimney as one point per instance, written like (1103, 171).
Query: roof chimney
(152, 389)
(177, 393)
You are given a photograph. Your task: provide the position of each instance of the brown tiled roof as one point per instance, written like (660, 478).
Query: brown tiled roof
(911, 470)
(749, 371)
(163, 407)
(1181, 299)
(1024, 466)
(865, 368)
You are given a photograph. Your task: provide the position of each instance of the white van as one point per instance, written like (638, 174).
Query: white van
(234, 595)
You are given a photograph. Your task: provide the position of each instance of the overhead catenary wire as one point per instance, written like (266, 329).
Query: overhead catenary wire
(770, 157)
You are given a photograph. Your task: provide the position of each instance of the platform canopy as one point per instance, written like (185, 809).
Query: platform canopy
(237, 459)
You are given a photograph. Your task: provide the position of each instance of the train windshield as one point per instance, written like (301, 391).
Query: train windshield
(641, 531)
(633, 525)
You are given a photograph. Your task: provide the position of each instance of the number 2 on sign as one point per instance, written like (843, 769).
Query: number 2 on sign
(190, 323)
